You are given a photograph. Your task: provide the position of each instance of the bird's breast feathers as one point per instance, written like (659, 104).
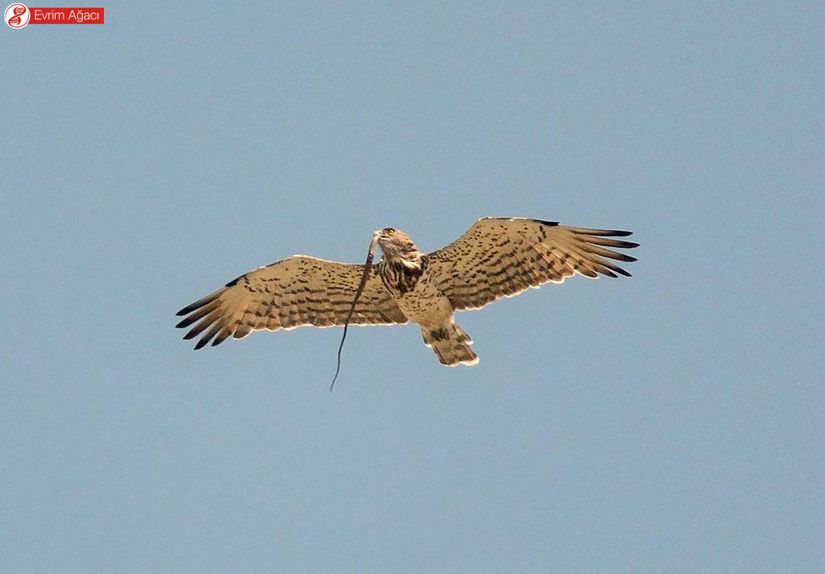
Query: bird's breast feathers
(418, 297)
(400, 278)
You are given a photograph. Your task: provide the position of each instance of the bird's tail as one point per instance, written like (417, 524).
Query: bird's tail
(451, 345)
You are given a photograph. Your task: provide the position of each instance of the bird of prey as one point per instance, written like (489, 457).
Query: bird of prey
(497, 257)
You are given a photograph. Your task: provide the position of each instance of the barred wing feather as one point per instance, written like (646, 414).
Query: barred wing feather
(501, 257)
(296, 291)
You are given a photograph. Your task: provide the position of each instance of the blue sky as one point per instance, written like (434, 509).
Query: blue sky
(671, 422)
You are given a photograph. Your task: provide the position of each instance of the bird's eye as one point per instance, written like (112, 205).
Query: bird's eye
(390, 231)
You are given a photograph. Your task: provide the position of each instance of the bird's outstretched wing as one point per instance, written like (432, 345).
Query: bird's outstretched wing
(296, 291)
(501, 257)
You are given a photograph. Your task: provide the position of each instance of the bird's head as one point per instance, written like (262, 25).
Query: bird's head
(398, 247)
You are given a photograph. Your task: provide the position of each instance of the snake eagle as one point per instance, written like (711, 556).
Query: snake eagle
(497, 257)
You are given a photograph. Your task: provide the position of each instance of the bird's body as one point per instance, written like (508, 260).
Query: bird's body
(415, 293)
(405, 274)
(495, 258)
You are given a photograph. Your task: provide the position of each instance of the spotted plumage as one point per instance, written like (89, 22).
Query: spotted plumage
(495, 258)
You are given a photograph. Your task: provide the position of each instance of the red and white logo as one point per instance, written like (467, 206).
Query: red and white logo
(17, 15)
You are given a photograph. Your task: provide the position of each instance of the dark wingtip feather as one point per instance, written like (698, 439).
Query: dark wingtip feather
(622, 257)
(195, 306)
(618, 243)
(235, 280)
(613, 267)
(200, 303)
(199, 313)
(607, 232)
(201, 344)
(600, 232)
(222, 336)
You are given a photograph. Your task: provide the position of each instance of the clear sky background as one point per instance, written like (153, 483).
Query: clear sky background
(671, 422)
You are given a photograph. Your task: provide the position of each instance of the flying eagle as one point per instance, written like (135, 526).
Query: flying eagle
(497, 257)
